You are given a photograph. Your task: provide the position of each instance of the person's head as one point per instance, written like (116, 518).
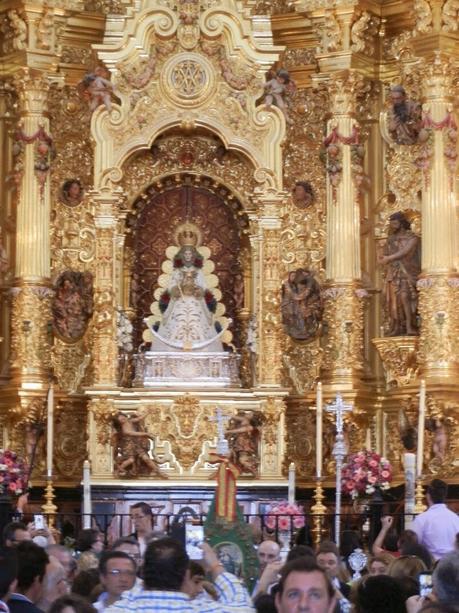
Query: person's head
(129, 545)
(64, 556)
(328, 558)
(379, 565)
(418, 550)
(165, 565)
(85, 582)
(300, 551)
(90, 539)
(15, 532)
(397, 221)
(303, 193)
(398, 95)
(72, 189)
(304, 587)
(141, 517)
(71, 603)
(264, 603)
(446, 578)
(406, 566)
(193, 584)
(268, 551)
(436, 492)
(8, 571)
(407, 537)
(55, 583)
(32, 562)
(379, 594)
(283, 76)
(117, 572)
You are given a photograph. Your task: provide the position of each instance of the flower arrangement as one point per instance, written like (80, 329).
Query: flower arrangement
(12, 473)
(284, 516)
(365, 472)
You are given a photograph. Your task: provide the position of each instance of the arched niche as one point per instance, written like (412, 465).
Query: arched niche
(152, 221)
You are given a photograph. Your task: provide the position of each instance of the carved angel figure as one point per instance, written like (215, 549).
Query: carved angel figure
(19, 28)
(450, 16)
(131, 444)
(275, 91)
(243, 437)
(97, 89)
(72, 304)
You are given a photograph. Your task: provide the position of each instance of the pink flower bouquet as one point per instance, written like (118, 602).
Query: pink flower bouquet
(12, 473)
(285, 516)
(364, 473)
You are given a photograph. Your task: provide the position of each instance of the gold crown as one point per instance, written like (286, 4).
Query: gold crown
(187, 235)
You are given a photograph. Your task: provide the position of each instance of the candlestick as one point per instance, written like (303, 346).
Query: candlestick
(420, 506)
(319, 411)
(318, 511)
(421, 426)
(49, 508)
(291, 483)
(50, 432)
(409, 462)
(87, 506)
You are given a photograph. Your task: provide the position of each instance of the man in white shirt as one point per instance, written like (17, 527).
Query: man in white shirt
(437, 527)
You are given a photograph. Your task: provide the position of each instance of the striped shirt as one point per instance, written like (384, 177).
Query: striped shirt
(232, 597)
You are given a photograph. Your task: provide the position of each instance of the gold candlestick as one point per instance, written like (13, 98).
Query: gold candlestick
(49, 508)
(419, 507)
(318, 510)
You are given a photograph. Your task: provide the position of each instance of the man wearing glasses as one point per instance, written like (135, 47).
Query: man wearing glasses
(117, 572)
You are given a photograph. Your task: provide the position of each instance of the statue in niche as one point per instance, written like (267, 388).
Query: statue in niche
(72, 304)
(189, 304)
(72, 192)
(243, 437)
(301, 305)
(132, 445)
(439, 439)
(402, 255)
(275, 91)
(404, 118)
(303, 194)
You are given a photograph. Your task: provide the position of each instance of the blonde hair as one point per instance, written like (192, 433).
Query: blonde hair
(406, 566)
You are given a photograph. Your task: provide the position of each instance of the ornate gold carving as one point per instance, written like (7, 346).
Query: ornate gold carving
(363, 33)
(273, 7)
(188, 32)
(399, 357)
(423, 16)
(303, 362)
(330, 33)
(72, 237)
(272, 444)
(15, 32)
(300, 428)
(31, 319)
(70, 436)
(71, 364)
(186, 79)
(442, 438)
(45, 29)
(102, 411)
(186, 426)
(450, 16)
(404, 176)
(344, 306)
(439, 341)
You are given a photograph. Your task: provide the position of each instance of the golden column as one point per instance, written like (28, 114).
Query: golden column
(31, 304)
(105, 351)
(439, 281)
(344, 297)
(270, 327)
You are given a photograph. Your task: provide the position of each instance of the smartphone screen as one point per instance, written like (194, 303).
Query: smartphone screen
(194, 536)
(39, 522)
(425, 584)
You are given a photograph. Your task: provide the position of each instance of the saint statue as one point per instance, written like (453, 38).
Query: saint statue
(188, 304)
(402, 255)
(301, 305)
(243, 437)
(405, 118)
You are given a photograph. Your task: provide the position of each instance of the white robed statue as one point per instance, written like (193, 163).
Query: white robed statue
(187, 316)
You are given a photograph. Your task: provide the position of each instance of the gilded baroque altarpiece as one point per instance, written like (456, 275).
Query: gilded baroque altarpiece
(121, 120)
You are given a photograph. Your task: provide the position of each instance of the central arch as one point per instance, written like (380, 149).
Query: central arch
(155, 216)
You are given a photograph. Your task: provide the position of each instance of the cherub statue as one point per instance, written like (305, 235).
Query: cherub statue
(131, 443)
(303, 194)
(19, 28)
(97, 89)
(276, 89)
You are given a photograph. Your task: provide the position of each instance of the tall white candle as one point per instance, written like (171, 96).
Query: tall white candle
(319, 416)
(291, 483)
(87, 506)
(409, 463)
(421, 426)
(50, 432)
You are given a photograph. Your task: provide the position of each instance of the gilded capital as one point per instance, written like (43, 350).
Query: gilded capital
(32, 92)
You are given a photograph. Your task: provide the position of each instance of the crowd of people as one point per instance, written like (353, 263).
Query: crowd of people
(147, 571)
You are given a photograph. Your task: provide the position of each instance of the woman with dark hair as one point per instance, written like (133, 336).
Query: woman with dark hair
(379, 594)
(71, 603)
(90, 544)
